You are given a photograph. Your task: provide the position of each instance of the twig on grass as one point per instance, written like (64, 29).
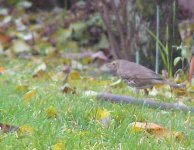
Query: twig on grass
(148, 103)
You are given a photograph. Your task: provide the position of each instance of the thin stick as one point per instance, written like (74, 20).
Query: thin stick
(157, 35)
(148, 103)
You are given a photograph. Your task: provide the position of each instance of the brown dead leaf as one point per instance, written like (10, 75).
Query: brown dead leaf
(67, 89)
(4, 38)
(155, 129)
(5, 128)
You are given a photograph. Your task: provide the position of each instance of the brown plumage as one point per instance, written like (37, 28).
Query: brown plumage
(136, 75)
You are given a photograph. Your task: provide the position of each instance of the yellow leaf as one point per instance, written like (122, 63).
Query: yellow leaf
(179, 136)
(25, 130)
(29, 95)
(162, 86)
(21, 88)
(102, 114)
(86, 60)
(51, 112)
(74, 75)
(180, 92)
(117, 83)
(58, 146)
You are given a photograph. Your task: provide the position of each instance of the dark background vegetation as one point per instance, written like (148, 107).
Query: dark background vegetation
(123, 45)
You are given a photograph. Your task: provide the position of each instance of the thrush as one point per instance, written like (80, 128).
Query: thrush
(137, 76)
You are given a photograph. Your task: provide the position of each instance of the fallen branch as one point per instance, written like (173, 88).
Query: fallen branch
(148, 103)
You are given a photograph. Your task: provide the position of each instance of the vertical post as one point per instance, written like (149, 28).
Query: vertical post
(191, 67)
(157, 37)
(137, 56)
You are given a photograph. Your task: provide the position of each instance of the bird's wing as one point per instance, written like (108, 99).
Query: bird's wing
(148, 76)
(140, 75)
(134, 70)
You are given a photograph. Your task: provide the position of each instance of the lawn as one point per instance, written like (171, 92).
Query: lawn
(52, 119)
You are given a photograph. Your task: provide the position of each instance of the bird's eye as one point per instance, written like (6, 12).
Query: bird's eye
(114, 64)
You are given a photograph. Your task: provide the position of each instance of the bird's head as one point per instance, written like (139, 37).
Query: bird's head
(113, 66)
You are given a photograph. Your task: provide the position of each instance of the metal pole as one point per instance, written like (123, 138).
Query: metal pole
(157, 38)
(137, 56)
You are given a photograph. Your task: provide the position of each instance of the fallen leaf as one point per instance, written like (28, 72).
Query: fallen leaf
(58, 146)
(21, 88)
(29, 95)
(25, 130)
(39, 71)
(155, 129)
(86, 60)
(73, 75)
(4, 38)
(180, 91)
(20, 46)
(102, 113)
(67, 89)
(59, 76)
(103, 116)
(161, 90)
(51, 112)
(117, 83)
(5, 128)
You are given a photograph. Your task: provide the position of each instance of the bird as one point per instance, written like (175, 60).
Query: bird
(136, 75)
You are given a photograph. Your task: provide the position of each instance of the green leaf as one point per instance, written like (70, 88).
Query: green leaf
(176, 60)
(184, 53)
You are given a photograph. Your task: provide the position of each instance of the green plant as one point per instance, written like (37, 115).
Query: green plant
(165, 51)
(184, 55)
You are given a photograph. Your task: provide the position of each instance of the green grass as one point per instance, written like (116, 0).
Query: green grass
(75, 125)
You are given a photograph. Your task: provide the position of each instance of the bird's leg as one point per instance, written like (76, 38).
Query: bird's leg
(146, 92)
